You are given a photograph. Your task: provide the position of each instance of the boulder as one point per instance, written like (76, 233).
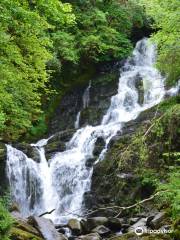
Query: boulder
(139, 224)
(75, 226)
(57, 143)
(22, 230)
(133, 220)
(91, 223)
(46, 228)
(115, 224)
(90, 162)
(157, 221)
(91, 236)
(19, 234)
(61, 230)
(102, 231)
(30, 151)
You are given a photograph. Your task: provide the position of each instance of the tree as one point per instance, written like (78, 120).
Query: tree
(26, 47)
(165, 14)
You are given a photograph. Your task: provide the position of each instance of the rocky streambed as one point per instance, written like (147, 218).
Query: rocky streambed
(92, 228)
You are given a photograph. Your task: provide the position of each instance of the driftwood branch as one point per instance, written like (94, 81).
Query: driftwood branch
(126, 208)
(45, 213)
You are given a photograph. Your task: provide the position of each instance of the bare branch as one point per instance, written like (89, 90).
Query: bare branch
(125, 208)
(45, 213)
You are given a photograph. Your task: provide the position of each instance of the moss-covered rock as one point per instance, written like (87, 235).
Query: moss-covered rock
(133, 236)
(19, 234)
(103, 86)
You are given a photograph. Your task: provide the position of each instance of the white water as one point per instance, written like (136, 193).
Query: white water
(85, 100)
(38, 187)
(76, 124)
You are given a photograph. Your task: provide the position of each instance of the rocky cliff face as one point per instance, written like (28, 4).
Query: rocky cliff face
(3, 179)
(103, 86)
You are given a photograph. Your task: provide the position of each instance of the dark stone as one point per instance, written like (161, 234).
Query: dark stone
(57, 143)
(46, 228)
(115, 224)
(103, 86)
(28, 150)
(88, 200)
(75, 226)
(102, 231)
(133, 220)
(61, 230)
(99, 146)
(157, 221)
(65, 114)
(123, 183)
(90, 162)
(90, 223)
(140, 89)
(141, 223)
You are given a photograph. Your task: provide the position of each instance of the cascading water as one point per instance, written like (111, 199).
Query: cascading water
(85, 100)
(62, 182)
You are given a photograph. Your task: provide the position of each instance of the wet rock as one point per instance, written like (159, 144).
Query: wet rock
(93, 222)
(157, 221)
(140, 88)
(57, 143)
(75, 226)
(140, 224)
(102, 231)
(31, 152)
(90, 162)
(62, 230)
(114, 224)
(133, 220)
(91, 236)
(88, 200)
(63, 136)
(125, 227)
(149, 219)
(67, 107)
(46, 228)
(99, 145)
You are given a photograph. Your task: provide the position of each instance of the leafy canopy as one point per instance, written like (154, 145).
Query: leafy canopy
(165, 14)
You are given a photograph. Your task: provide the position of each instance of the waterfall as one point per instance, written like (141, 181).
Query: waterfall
(86, 96)
(85, 100)
(76, 124)
(61, 183)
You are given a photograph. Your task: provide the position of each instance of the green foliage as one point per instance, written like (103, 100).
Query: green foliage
(39, 39)
(171, 197)
(6, 222)
(25, 45)
(104, 27)
(40, 127)
(165, 14)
